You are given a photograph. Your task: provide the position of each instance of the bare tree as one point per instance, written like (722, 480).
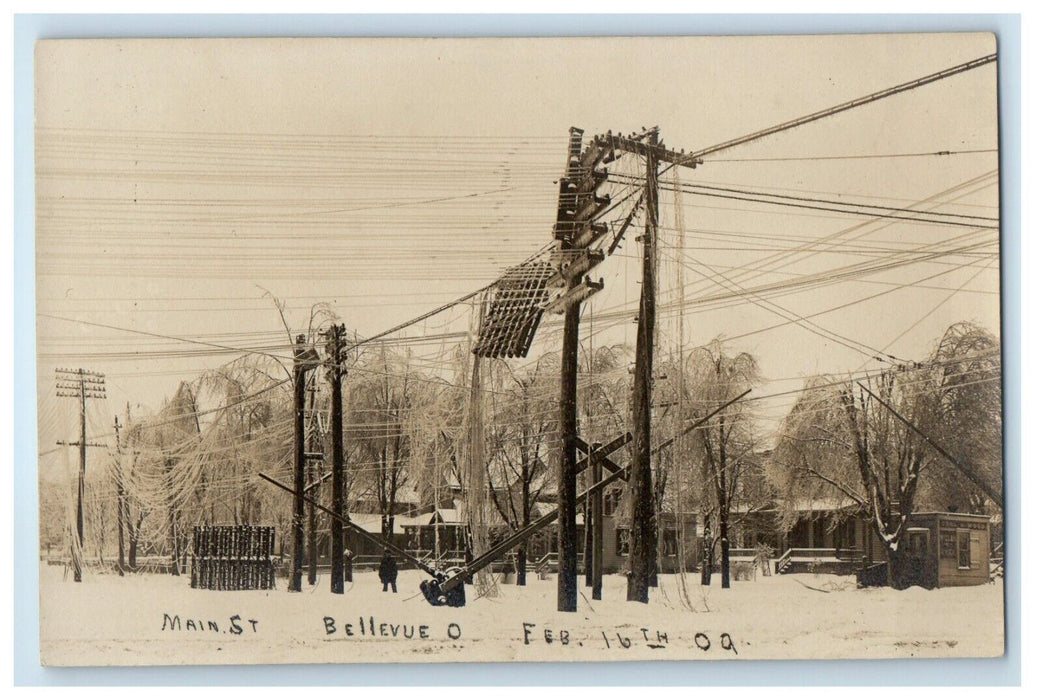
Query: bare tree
(382, 395)
(521, 437)
(883, 441)
(966, 369)
(725, 445)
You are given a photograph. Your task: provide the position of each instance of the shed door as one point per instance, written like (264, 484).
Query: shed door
(976, 551)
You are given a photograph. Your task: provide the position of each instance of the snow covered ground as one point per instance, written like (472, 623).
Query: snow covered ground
(158, 619)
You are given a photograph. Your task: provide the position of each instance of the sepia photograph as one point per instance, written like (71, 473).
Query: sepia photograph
(399, 350)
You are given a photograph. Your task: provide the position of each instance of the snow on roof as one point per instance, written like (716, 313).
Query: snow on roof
(422, 519)
(448, 515)
(374, 523)
(806, 505)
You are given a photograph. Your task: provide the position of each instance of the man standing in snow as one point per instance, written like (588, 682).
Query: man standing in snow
(349, 571)
(389, 571)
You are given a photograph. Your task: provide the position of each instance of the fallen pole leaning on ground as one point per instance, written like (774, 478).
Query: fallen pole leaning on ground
(447, 587)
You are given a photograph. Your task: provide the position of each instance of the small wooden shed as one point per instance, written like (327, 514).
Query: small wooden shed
(948, 549)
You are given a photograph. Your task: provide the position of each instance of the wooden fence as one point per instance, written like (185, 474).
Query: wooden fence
(233, 557)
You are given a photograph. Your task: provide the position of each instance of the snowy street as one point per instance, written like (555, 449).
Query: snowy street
(157, 619)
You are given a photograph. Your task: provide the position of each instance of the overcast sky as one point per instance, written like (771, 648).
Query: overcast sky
(178, 180)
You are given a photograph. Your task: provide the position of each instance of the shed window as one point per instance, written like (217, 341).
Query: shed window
(964, 548)
(918, 542)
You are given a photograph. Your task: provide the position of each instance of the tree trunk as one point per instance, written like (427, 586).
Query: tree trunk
(725, 544)
(522, 565)
(707, 551)
(121, 498)
(133, 532)
(897, 568)
(175, 566)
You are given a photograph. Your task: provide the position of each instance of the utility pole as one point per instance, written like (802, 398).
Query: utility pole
(81, 384)
(578, 205)
(304, 358)
(335, 374)
(120, 496)
(567, 569)
(643, 531)
(312, 462)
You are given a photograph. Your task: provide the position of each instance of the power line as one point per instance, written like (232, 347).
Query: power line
(842, 107)
(856, 156)
(818, 200)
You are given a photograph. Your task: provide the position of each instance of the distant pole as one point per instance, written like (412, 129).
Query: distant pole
(335, 353)
(642, 531)
(120, 498)
(81, 384)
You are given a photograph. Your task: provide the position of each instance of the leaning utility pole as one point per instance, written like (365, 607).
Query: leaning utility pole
(335, 374)
(81, 384)
(304, 358)
(567, 572)
(643, 530)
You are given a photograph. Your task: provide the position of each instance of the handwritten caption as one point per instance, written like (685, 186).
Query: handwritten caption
(235, 625)
(649, 638)
(531, 633)
(371, 627)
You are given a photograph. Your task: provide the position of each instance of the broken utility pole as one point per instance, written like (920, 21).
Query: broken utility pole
(578, 206)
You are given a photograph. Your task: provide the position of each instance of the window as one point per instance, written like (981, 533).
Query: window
(669, 543)
(611, 501)
(850, 534)
(963, 538)
(622, 542)
(917, 543)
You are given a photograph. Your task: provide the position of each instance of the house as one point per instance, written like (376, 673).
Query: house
(441, 535)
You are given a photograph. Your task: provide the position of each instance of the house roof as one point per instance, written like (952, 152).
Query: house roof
(374, 523)
(445, 515)
(808, 505)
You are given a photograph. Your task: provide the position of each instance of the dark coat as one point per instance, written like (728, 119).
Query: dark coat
(388, 569)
